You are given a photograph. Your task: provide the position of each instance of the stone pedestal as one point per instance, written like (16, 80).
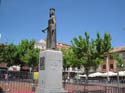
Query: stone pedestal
(50, 72)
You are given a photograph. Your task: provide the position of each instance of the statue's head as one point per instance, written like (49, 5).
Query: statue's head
(52, 11)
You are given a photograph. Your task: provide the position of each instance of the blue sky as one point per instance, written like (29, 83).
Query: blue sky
(21, 19)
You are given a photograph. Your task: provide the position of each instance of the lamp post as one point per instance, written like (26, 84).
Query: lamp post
(119, 63)
(117, 69)
(107, 67)
(118, 82)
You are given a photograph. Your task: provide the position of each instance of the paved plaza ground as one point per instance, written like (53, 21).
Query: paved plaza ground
(17, 87)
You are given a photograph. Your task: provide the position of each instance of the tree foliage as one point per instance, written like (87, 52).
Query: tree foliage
(23, 53)
(119, 60)
(102, 47)
(89, 52)
(27, 53)
(7, 53)
(69, 58)
(2, 52)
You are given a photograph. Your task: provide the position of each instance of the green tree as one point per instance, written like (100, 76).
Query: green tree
(28, 55)
(23, 54)
(90, 53)
(103, 47)
(2, 56)
(7, 53)
(10, 54)
(107, 45)
(68, 58)
(83, 49)
(66, 62)
(119, 60)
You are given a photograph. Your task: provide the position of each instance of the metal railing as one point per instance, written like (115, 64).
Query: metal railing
(94, 86)
(23, 82)
(14, 82)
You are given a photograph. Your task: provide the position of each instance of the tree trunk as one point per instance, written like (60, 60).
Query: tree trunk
(86, 80)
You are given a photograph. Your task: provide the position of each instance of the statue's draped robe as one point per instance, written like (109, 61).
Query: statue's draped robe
(51, 35)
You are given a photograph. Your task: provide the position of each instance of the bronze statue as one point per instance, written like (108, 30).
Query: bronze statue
(51, 30)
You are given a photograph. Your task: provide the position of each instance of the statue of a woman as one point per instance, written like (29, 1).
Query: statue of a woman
(51, 30)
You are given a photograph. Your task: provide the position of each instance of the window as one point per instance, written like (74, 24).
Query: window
(104, 66)
(111, 66)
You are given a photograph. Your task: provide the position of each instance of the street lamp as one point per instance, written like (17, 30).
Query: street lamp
(107, 68)
(118, 82)
(119, 63)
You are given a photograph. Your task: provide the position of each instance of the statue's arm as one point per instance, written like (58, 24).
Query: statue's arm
(44, 30)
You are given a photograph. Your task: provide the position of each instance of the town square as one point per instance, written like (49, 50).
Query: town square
(68, 46)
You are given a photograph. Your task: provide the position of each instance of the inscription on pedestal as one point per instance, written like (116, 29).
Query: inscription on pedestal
(42, 63)
(54, 65)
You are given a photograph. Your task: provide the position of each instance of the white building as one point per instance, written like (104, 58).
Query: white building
(41, 44)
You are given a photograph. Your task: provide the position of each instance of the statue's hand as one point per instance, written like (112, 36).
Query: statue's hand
(43, 31)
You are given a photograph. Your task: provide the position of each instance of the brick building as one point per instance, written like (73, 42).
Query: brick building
(112, 62)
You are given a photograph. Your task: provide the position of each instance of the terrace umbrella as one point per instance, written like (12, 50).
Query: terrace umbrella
(121, 73)
(82, 75)
(110, 73)
(97, 74)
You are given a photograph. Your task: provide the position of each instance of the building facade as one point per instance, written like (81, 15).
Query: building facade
(112, 63)
(42, 45)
